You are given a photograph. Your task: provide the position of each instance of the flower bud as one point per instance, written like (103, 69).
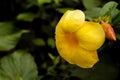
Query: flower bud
(109, 31)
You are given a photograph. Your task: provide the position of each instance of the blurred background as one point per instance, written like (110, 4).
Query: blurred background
(38, 19)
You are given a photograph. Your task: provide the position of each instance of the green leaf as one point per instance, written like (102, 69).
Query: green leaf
(116, 19)
(63, 10)
(118, 36)
(115, 13)
(108, 8)
(6, 28)
(9, 36)
(89, 4)
(51, 56)
(40, 2)
(57, 60)
(32, 1)
(19, 65)
(51, 42)
(39, 42)
(57, 2)
(26, 16)
(91, 14)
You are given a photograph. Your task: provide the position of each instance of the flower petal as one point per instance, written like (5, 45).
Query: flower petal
(85, 58)
(72, 20)
(66, 45)
(69, 48)
(74, 54)
(91, 36)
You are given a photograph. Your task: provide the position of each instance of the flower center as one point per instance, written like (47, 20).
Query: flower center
(71, 39)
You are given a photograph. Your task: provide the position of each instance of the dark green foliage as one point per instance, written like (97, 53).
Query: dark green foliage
(18, 66)
(27, 40)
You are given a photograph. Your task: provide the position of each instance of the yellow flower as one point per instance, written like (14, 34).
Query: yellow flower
(77, 40)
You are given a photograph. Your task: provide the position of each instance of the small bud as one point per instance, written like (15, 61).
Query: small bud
(109, 31)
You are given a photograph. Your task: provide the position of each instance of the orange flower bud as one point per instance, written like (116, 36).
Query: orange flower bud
(109, 31)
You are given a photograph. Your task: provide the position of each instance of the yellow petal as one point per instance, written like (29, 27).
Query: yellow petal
(72, 20)
(68, 47)
(91, 36)
(85, 58)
